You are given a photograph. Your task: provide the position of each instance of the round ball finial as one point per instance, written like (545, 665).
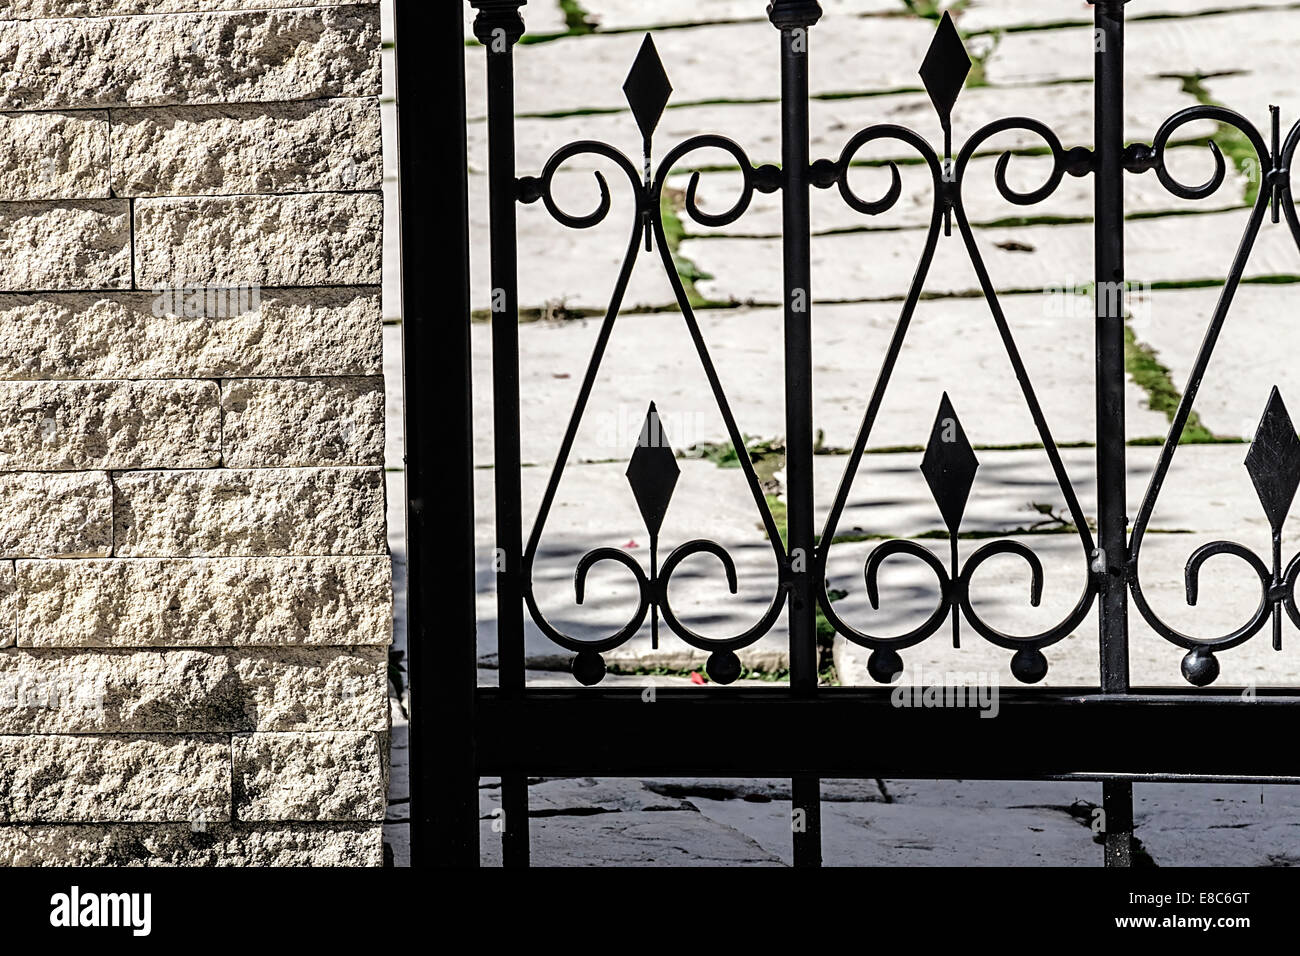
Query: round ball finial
(589, 668)
(1028, 665)
(1200, 667)
(723, 667)
(884, 665)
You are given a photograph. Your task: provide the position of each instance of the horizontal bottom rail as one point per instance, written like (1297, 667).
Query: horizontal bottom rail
(1156, 734)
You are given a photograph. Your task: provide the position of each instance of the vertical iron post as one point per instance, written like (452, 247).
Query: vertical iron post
(439, 432)
(794, 18)
(1111, 562)
(498, 26)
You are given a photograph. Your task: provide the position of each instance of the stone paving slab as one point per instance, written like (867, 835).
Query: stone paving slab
(1178, 824)
(631, 838)
(584, 794)
(568, 268)
(1252, 93)
(1058, 795)
(1154, 47)
(1263, 843)
(1184, 249)
(1003, 14)
(1067, 108)
(637, 14)
(876, 834)
(898, 822)
(952, 344)
(764, 790)
(1218, 825)
(587, 72)
(1246, 363)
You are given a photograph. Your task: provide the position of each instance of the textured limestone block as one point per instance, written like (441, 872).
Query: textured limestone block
(8, 604)
(192, 691)
(211, 602)
(255, 512)
(88, 779)
(61, 155)
(278, 844)
(325, 239)
(307, 777)
(70, 426)
(65, 245)
(312, 689)
(38, 9)
(130, 335)
(268, 423)
(56, 515)
(190, 58)
(199, 844)
(182, 691)
(321, 146)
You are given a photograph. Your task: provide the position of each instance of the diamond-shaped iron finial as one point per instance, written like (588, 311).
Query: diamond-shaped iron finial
(653, 472)
(1274, 461)
(647, 88)
(949, 465)
(944, 69)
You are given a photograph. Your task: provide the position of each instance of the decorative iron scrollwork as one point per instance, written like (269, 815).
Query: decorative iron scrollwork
(949, 466)
(1273, 461)
(652, 470)
(950, 462)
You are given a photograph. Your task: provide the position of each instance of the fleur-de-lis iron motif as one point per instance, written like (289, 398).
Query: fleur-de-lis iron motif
(949, 467)
(1273, 463)
(647, 90)
(943, 72)
(1274, 466)
(652, 471)
(652, 474)
(950, 464)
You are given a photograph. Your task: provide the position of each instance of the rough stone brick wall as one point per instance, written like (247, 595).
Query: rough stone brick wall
(195, 588)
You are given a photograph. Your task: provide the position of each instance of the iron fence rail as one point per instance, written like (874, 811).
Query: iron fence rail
(1111, 733)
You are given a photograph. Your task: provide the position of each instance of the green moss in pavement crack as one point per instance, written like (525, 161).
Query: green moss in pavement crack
(827, 676)
(1232, 142)
(767, 455)
(670, 203)
(1150, 375)
(576, 18)
(777, 506)
(934, 9)
(979, 60)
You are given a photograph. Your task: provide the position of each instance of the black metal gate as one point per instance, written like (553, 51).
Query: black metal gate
(1113, 733)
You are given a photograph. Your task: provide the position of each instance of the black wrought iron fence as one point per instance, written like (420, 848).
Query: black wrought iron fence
(1112, 733)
